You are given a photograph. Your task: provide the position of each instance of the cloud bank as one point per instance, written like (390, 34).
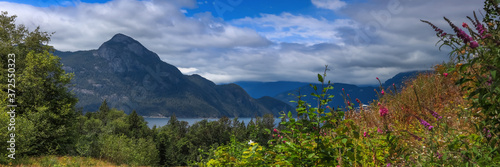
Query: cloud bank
(375, 38)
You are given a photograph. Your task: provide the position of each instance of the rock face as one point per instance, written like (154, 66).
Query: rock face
(131, 77)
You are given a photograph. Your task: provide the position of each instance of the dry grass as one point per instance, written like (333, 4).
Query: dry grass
(62, 161)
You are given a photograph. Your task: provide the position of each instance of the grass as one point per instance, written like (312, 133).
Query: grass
(418, 98)
(60, 161)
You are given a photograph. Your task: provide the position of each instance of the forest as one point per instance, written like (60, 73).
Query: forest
(446, 118)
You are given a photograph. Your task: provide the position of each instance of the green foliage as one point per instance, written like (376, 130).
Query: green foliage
(476, 56)
(45, 109)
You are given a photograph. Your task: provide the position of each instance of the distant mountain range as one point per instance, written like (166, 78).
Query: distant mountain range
(131, 77)
(284, 90)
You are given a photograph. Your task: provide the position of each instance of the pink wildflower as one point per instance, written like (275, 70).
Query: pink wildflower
(383, 111)
(275, 131)
(445, 74)
(382, 92)
(465, 25)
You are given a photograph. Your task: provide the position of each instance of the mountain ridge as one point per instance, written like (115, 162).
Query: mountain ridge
(131, 77)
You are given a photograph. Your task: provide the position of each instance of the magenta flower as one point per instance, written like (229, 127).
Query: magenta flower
(474, 44)
(377, 78)
(383, 111)
(445, 74)
(382, 92)
(275, 131)
(465, 25)
(379, 130)
(365, 134)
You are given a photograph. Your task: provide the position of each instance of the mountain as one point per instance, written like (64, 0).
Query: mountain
(131, 77)
(281, 90)
(365, 94)
(261, 89)
(400, 78)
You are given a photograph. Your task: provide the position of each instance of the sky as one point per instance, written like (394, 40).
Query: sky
(259, 40)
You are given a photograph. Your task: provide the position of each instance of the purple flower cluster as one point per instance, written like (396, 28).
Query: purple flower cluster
(425, 123)
(439, 31)
(415, 136)
(435, 114)
(481, 30)
(461, 34)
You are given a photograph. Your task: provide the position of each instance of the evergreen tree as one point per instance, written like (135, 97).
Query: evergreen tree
(41, 89)
(135, 125)
(103, 112)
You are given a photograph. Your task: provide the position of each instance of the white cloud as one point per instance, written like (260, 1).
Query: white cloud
(269, 47)
(329, 4)
(287, 27)
(187, 71)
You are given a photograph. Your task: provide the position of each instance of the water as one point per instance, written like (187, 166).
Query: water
(163, 121)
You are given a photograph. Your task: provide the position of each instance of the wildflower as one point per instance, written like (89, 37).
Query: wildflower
(377, 78)
(490, 81)
(415, 136)
(473, 44)
(325, 134)
(357, 100)
(439, 155)
(445, 74)
(284, 141)
(342, 89)
(465, 25)
(443, 34)
(275, 131)
(348, 103)
(425, 123)
(379, 130)
(436, 115)
(250, 142)
(389, 164)
(382, 92)
(383, 111)
(365, 134)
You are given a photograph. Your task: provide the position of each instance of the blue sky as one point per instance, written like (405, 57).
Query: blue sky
(259, 40)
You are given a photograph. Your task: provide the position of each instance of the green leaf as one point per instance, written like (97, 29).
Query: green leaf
(289, 114)
(344, 140)
(310, 155)
(320, 78)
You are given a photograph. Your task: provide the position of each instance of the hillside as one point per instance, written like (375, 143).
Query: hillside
(131, 77)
